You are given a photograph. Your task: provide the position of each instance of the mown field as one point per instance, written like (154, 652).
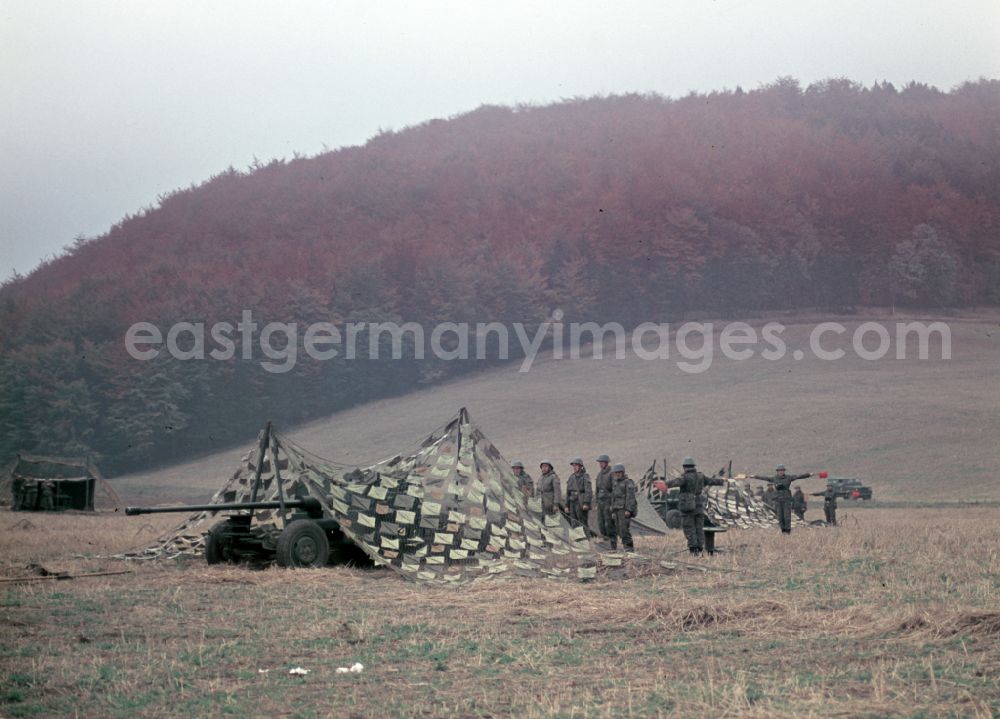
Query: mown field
(894, 613)
(914, 429)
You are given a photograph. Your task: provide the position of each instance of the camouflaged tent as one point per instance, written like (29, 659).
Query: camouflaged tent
(446, 513)
(76, 482)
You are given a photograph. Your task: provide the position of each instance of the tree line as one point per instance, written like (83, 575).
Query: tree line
(623, 208)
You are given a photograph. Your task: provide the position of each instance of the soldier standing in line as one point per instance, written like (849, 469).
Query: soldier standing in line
(579, 495)
(799, 504)
(829, 503)
(783, 494)
(691, 503)
(524, 481)
(623, 507)
(602, 486)
(549, 488)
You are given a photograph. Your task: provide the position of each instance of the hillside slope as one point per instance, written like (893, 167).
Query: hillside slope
(624, 208)
(917, 429)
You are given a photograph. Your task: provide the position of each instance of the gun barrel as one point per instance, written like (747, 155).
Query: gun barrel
(310, 504)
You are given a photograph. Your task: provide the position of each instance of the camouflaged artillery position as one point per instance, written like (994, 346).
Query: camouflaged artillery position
(448, 512)
(301, 534)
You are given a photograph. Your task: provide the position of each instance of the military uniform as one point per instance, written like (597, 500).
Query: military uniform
(17, 491)
(526, 484)
(623, 508)
(47, 497)
(691, 504)
(550, 490)
(783, 495)
(829, 505)
(799, 503)
(602, 485)
(579, 497)
(30, 500)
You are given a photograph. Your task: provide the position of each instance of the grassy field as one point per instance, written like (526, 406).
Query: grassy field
(894, 613)
(914, 429)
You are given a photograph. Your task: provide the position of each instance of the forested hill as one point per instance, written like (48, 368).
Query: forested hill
(629, 208)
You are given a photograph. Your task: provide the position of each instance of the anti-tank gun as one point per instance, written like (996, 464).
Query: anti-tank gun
(301, 533)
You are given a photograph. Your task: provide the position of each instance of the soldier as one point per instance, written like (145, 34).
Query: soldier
(17, 490)
(768, 497)
(47, 496)
(579, 495)
(691, 503)
(783, 494)
(549, 488)
(799, 504)
(829, 503)
(602, 484)
(623, 507)
(30, 500)
(524, 481)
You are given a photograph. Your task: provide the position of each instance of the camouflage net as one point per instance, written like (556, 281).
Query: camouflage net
(731, 506)
(447, 513)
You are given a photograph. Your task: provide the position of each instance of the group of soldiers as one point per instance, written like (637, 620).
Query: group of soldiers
(614, 497)
(784, 503)
(32, 494)
(612, 494)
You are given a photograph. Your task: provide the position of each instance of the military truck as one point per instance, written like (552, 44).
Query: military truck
(850, 488)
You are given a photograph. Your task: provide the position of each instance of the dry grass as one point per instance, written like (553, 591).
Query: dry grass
(895, 613)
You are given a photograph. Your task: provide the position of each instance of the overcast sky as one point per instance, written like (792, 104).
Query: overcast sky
(106, 105)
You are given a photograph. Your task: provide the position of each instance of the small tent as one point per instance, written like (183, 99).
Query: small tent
(70, 483)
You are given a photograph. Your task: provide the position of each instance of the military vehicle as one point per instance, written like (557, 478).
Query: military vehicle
(850, 488)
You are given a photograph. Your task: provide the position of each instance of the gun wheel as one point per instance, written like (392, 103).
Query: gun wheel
(303, 543)
(217, 543)
(673, 520)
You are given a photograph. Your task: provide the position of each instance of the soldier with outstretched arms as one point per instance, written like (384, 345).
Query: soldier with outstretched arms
(782, 483)
(829, 496)
(691, 503)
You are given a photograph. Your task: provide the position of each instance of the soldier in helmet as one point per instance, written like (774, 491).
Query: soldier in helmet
(524, 481)
(602, 485)
(799, 504)
(829, 503)
(623, 507)
(579, 495)
(549, 488)
(691, 503)
(782, 483)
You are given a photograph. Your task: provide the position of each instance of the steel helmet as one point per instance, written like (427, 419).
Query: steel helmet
(576, 460)
(546, 461)
(688, 462)
(618, 468)
(517, 463)
(603, 458)
(780, 468)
